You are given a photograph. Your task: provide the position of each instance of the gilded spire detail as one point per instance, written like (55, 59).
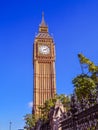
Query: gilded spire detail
(43, 24)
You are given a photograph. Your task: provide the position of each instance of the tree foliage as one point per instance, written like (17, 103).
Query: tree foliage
(65, 100)
(90, 65)
(85, 83)
(31, 120)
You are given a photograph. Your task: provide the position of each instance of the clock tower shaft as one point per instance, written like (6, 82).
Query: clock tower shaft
(44, 86)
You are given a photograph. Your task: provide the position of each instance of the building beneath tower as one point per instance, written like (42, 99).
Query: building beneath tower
(44, 77)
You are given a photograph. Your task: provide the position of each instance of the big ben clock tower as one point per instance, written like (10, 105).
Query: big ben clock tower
(44, 67)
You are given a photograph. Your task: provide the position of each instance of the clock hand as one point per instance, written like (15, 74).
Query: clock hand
(44, 49)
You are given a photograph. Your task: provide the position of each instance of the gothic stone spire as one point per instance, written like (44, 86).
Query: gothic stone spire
(43, 27)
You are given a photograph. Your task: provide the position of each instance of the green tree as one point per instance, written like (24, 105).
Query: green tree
(30, 120)
(92, 68)
(45, 109)
(65, 100)
(85, 83)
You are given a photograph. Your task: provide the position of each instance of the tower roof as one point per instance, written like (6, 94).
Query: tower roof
(43, 24)
(43, 27)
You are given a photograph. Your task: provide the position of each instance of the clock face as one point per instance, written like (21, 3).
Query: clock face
(44, 49)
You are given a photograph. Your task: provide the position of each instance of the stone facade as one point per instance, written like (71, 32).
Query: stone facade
(44, 67)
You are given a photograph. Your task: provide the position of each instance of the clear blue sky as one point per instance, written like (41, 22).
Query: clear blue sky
(74, 26)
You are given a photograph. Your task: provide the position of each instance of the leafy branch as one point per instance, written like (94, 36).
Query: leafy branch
(85, 83)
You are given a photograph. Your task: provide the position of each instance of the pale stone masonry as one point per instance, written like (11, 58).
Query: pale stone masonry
(44, 86)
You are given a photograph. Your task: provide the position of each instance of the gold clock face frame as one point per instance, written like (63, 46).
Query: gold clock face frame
(44, 49)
